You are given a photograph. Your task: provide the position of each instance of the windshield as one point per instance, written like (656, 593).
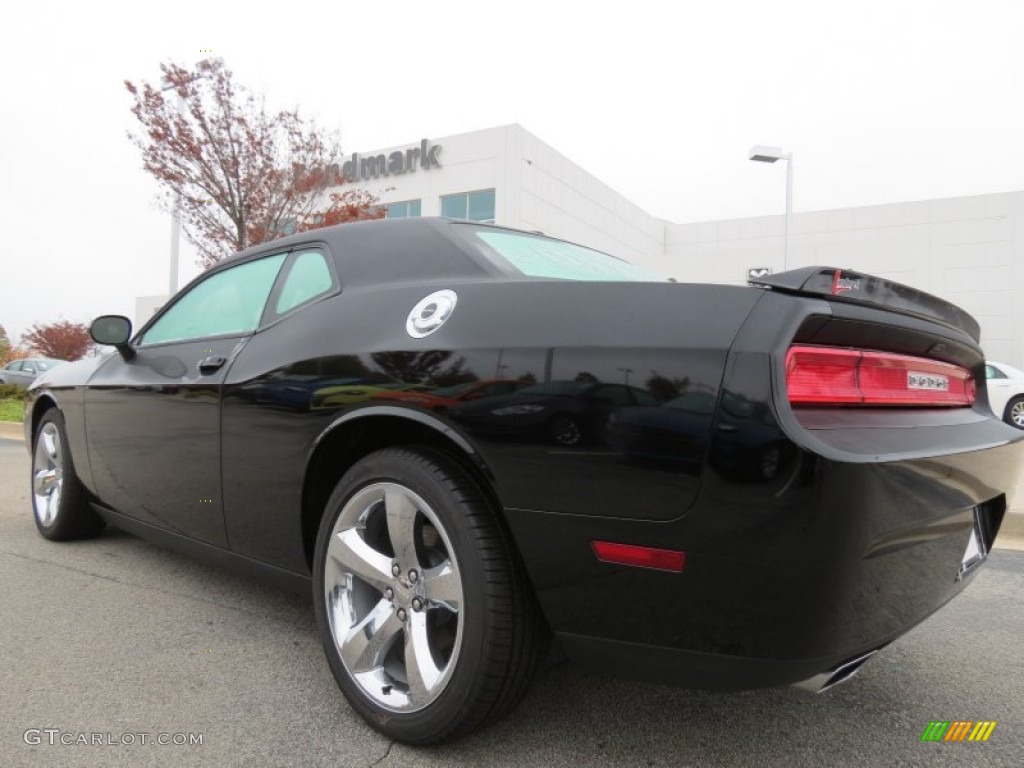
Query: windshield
(520, 253)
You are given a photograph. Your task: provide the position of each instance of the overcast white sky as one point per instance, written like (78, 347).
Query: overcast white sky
(880, 102)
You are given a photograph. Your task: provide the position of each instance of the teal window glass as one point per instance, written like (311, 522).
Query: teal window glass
(227, 302)
(404, 209)
(454, 207)
(543, 257)
(481, 205)
(308, 278)
(475, 206)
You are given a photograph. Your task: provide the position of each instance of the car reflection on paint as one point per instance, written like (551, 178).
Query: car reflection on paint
(746, 444)
(356, 391)
(674, 435)
(445, 398)
(304, 392)
(562, 412)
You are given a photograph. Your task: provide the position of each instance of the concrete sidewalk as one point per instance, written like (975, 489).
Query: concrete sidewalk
(1011, 536)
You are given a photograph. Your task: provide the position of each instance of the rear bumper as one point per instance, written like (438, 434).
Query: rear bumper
(784, 579)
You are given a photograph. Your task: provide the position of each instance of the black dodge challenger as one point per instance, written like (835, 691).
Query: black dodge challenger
(723, 487)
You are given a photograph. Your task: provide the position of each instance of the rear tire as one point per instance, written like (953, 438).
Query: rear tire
(425, 614)
(59, 500)
(1014, 415)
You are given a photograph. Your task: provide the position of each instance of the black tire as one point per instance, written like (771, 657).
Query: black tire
(565, 430)
(1015, 410)
(60, 503)
(492, 643)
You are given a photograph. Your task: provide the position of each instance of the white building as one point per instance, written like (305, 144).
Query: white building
(967, 250)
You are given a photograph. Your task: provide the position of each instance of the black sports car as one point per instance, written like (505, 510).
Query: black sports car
(762, 485)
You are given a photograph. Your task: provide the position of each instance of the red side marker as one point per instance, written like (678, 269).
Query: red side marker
(642, 557)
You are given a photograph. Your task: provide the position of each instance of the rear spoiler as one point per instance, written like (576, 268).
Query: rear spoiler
(848, 286)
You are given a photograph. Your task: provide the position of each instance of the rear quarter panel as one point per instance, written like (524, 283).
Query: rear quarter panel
(655, 337)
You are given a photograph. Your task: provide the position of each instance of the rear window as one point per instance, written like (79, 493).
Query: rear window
(519, 253)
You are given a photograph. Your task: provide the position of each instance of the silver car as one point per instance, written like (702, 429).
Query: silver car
(24, 372)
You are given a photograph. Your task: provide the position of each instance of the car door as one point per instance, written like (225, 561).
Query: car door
(1000, 389)
(27, 373)
(10, 373)
(153, 421)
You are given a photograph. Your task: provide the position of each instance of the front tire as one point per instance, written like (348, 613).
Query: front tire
(59, 500)
(1014, 415)
(423, 609)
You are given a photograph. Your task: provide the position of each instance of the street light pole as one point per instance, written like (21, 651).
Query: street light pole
(172, 285)
(761, 154)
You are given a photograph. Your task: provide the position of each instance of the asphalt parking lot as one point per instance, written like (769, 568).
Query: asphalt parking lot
(115, 636)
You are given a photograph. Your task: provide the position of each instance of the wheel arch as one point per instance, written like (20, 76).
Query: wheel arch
(360, 433)
(43, 403)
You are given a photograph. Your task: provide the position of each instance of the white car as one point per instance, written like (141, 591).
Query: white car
(1006, 392)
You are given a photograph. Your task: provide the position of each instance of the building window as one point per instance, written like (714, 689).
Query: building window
(402, 210)
(475, 206)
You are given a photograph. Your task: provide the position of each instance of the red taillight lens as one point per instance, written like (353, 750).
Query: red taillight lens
(831, 376)
(643, 557)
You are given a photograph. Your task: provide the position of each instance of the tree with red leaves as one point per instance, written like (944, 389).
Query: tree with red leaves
(242, 175)
(62, 340)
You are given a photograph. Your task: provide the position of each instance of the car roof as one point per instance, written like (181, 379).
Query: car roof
(376, 252)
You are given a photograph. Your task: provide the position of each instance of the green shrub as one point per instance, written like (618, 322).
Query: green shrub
(12, 392)
(12, 410)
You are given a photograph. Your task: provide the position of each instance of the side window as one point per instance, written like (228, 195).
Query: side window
(615, 394)
(28, 368)
(16, 366)
(308, 277)
(645, 398)
(231, 301)
(991, 372)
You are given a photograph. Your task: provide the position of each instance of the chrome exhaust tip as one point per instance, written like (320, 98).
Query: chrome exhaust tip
(838, 674)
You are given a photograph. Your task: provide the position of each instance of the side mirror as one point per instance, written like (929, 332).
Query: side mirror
(115, 331)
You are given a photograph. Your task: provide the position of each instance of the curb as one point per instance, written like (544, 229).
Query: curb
(12, 430)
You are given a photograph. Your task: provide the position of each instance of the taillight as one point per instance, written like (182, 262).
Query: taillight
(833, 376)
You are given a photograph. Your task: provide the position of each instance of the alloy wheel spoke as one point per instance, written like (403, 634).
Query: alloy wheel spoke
(401, 513)
(355, 556)
(421, 671)
(44, 481)
(52, 445)
(443, 587)
(369, 641)
(52, 505)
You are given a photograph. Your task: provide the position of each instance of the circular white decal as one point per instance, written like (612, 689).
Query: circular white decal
(430, 314)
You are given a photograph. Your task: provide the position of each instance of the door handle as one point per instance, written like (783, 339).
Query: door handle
(211, 364)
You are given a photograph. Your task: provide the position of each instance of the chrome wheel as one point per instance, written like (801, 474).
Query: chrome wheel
(47, 474)
(1017, 414)
(566, 431)
(394, 597)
